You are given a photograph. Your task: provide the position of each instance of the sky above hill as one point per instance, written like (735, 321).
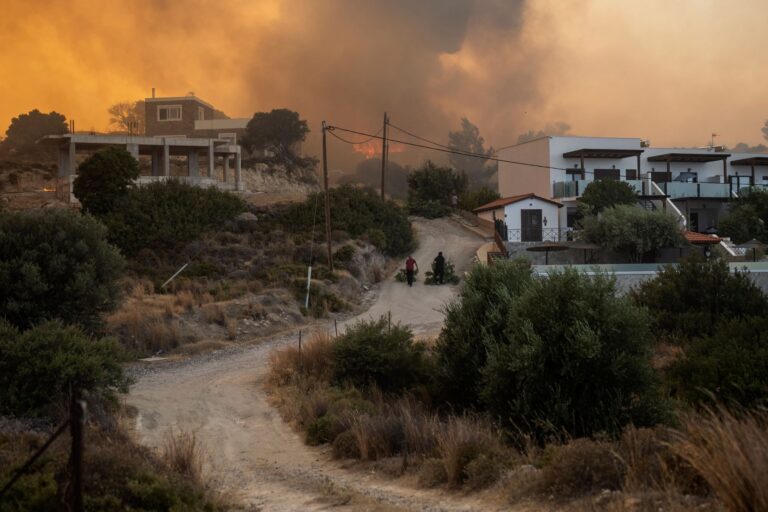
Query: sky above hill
(672, 72)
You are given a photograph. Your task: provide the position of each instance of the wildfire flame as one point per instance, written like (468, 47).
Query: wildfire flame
(373, 149)
(46, 189)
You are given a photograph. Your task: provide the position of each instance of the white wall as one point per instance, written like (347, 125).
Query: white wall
(548, 210)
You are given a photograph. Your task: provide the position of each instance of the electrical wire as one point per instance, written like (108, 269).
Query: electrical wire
(374, 136)
(418, 137)
(332, 128)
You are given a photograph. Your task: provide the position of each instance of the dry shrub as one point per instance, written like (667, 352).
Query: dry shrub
(377, 436)
(184, 454)
(202, 347)
(214, 314)
(345, 446)
(419, 427)
(432, 473)
(730, 451)
(161, 335)
(185, 300)
(463, 439)
(231, 325)
(314, 361)
(583, 466)
(647, 458)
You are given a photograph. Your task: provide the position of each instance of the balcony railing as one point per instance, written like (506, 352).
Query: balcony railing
(673, 189)
(540, 235)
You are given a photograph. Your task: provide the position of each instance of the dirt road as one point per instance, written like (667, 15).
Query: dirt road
(252, 453)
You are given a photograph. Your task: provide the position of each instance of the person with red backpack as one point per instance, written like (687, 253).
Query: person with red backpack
(410, 266)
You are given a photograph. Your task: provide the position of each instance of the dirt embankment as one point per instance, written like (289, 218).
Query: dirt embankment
(253, 454)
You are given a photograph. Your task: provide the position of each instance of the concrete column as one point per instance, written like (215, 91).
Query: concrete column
(193, 166)
(226, 167)
(210, 160)
(156, 156)
(133, 149)
(166, 158)
(238, 172)
(63, 161)
(71, 161)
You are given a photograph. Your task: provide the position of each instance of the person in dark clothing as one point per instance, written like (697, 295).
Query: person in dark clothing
(439, 268)
(410, 266)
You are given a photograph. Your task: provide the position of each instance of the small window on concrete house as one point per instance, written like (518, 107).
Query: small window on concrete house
(231, 137)
(632, 174)
(169, 113)
(606, 174)
(200, 114)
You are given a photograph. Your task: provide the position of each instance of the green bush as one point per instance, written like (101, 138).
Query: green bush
(574, 358)
(104, 178)
(730, 366)
(39, 366)
(56, 264)
(379, 353)
(603, 194)
(474, 322)
(449, 275)
(689, 299)
(163, 216)
(747, 217)
(632, 231)
(475, 198)
(431, 190)
(359, 212)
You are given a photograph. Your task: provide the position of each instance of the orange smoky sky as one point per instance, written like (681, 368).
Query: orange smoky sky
(673, 72)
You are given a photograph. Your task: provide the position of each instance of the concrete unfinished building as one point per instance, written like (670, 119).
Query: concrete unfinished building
(160, 150)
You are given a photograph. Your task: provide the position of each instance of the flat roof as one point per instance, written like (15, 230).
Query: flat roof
(689, 157)
(602, 153)
(499, 203)
(754, 160)
(179, 98)
(177, 145)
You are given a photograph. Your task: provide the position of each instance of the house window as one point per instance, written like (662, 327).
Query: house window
(606, 174)
(200, 114)
(169, 113)
(632, 174)
(231, 137)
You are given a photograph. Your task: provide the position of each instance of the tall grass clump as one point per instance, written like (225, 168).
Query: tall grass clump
(730, 451)
(184, 454)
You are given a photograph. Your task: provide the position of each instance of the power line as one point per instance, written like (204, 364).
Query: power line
(419, 138)
(369, 139)
(332, 128)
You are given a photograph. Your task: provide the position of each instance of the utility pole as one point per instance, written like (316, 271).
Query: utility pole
(384, 148)
(327, 202)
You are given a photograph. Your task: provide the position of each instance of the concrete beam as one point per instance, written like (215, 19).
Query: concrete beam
(193, 166)
(133, 149)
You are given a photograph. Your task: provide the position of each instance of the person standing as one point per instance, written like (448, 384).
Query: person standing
(410, 267)
(439, 265)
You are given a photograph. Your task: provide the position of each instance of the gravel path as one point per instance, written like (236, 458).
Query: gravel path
(256, 457)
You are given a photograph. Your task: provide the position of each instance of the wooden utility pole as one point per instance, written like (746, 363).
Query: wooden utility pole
(384, 152)
(327, 201)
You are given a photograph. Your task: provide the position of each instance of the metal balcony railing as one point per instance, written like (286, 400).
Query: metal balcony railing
(541, 235)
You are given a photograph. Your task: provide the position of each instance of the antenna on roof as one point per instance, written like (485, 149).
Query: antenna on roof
(191, 93)
(153, 93)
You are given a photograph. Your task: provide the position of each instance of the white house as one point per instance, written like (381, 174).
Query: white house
(525, 218)
(694, 184)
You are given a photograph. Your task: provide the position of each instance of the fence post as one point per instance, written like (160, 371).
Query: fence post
(301, 359)
(336, 327)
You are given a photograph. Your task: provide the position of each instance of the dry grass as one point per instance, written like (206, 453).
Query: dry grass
(583, 466)
(730, 452)
(314, 361)
(214, 314)
(463, 439)
(231, 324)
(184, 454)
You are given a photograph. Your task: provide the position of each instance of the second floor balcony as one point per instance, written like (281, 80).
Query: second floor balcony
(670, 189)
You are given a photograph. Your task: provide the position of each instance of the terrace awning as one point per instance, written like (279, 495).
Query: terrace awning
(602, 153)
(689, 157)
(581, 154)
(693, 157)
(751, 161)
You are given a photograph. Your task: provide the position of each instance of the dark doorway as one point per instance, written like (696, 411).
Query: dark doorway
(530, 224)
(694, 222)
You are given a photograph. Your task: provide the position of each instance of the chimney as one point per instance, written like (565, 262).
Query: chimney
(153, 93)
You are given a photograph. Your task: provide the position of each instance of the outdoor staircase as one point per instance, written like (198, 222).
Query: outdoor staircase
(647, 204)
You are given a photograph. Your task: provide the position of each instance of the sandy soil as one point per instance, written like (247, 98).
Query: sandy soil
(256, 457)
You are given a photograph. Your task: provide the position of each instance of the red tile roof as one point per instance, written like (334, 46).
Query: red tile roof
(504, 201)
(700, 238)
